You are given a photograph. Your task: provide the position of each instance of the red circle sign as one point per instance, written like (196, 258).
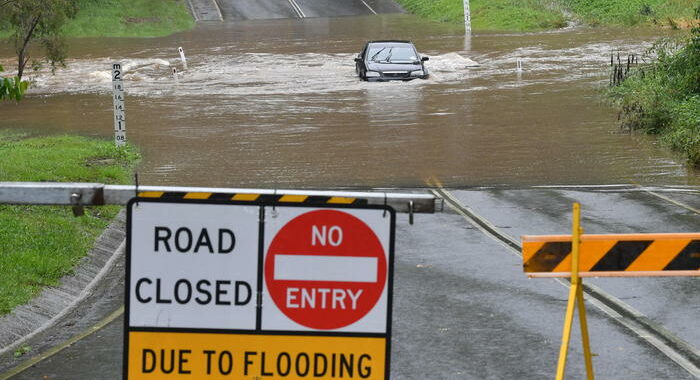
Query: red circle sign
(325, 269)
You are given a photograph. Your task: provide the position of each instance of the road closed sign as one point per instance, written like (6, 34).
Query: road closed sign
(227, 290)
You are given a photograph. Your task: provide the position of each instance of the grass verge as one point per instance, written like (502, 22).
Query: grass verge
(41, 244)
(663, 98)
(129, 18)
(534, 15)
(126, 18)
(520, 15)
(674, 13)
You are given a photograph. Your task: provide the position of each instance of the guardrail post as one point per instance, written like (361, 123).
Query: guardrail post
(78, 209)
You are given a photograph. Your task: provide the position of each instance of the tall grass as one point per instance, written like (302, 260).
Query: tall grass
(663, 97)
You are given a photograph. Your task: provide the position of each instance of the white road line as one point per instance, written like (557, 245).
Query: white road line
(673, 201)
(657, 337)
(218, 9)
(297, 8)
(194, 13)
(368, 7)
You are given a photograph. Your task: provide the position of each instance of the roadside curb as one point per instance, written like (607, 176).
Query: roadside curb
(42, 312)
(678, 350)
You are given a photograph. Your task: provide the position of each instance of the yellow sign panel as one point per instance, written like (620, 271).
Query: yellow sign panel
(174, 355)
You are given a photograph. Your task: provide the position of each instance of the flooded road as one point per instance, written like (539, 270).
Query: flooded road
(276, 103)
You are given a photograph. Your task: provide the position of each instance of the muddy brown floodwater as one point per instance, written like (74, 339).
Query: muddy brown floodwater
(277, 104)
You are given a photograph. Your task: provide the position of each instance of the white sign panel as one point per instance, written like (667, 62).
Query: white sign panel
(118, 102)
(193, 265)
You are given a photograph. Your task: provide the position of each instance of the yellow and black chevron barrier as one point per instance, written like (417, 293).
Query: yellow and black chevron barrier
(255, 198)
(630, 255)
(614, 255)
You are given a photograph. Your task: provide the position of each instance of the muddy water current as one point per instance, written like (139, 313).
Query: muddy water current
(277, 104)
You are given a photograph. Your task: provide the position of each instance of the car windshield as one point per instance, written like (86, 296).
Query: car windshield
(392, 54)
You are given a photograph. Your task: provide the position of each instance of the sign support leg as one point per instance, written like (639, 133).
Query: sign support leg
(566, 334)
(575, 297)
(584, 333)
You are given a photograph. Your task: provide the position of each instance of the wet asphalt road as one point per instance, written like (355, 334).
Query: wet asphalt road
(463, 309)
(235, 10)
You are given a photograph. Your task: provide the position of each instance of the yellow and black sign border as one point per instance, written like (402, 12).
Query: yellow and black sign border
(262, 201)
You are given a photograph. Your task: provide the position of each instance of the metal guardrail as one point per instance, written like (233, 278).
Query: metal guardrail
(96, 194)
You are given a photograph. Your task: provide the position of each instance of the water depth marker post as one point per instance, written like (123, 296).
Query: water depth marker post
(118, 101)
(467, 18)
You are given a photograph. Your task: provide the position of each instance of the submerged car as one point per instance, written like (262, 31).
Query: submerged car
(390, 60)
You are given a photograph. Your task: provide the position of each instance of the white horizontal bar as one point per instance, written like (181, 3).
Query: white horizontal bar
(348, 194)
(48, 193)
(325, 268)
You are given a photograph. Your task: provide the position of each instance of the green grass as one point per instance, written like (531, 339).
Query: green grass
(129, 18)
(534, 15)
(513, 15)
(40, 244)
(632, 12)
(126, 18)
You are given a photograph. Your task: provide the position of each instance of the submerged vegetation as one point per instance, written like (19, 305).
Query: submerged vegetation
(12, 88)
(663, 97)
(532, 15)
(40, 244)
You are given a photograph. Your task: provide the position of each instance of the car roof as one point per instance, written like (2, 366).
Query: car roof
(389, 42)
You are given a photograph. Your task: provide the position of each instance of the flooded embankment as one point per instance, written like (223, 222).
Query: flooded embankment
(277, 104)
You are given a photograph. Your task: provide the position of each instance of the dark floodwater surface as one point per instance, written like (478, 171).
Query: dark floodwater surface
(277, 104)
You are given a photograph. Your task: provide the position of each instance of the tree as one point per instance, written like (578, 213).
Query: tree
(29, 21)
(38, 21)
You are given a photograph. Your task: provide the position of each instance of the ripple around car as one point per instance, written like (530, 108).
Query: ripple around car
(390, 60)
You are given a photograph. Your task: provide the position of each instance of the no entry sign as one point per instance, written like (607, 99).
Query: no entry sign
(226, 290)
(326, 269)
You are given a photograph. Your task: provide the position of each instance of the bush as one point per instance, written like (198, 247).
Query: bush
(12, 88)
(664, 97)
(684, 130)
